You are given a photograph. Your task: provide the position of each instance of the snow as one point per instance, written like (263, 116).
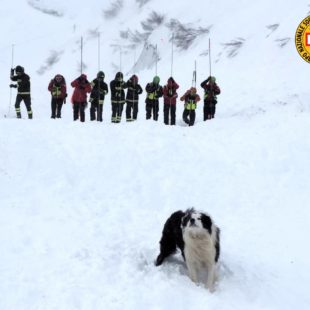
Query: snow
(83, 205)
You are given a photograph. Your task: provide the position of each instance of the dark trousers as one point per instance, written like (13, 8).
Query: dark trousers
(27, 101)
(79, 111)
(56, 107)
(96, 107)
(152, 108)
(169, 109)
(208, 110)
(131, 110)
(117, 110)
(189, 117)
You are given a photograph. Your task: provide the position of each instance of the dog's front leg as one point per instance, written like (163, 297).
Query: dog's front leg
(192, 271)
(211, 278)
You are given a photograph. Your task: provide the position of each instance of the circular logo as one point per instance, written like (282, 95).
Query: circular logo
(302, 39)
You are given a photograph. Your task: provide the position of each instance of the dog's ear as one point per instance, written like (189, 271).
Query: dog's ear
(206, 222)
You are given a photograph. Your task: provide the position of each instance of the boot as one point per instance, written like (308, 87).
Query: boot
(18, 114)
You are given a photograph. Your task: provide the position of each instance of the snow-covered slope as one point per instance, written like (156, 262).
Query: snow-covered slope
(82, 206)
(252, 68)
(82, 209)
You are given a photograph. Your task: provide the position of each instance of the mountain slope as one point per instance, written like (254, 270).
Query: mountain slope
(246, 38)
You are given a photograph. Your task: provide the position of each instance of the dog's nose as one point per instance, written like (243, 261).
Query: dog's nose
(192, 221)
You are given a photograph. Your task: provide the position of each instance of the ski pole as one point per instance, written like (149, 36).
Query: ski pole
(156, 59)
(134, 88)
(12, 63)
(172, 54)
(118, 114)
(134, 61)
(81, 55)
(210, 56)
(98, 79)
(98, 51)
(120, 59)
(195, 73)
(211, 89)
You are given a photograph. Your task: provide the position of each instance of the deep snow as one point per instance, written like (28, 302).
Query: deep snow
(83, 205)
(83, 209)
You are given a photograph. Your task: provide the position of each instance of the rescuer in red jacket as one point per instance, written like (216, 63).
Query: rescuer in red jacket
(79, 97)
(170, 100)
(58, 89)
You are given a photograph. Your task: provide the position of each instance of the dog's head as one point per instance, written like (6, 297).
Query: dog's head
(196, 221)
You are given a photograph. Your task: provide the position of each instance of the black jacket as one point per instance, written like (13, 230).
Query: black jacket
(133, 92)
(154, 91)
(99, 89)
(117, 91)
(23, 83)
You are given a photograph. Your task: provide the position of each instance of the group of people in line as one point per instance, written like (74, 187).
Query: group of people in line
(98, 90)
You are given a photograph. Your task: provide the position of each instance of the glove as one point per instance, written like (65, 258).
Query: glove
(12, 72)
(65, 101)
(13, 85)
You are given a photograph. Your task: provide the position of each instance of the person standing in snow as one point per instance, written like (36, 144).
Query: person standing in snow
(79, 97)
(117, 87)
(170, 100)
(23, 90)
(154, 91)
(58, 90)
(211, 90)
(191, 98)
(132, 98)
(99, 90)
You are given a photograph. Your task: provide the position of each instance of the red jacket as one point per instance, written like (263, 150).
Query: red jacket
(81, 88)
(170, 92)
(58, 89)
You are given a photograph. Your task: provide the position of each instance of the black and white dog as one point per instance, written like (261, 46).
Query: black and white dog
(198, 238)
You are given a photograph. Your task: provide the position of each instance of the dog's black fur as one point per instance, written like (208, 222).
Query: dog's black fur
(172, 236)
